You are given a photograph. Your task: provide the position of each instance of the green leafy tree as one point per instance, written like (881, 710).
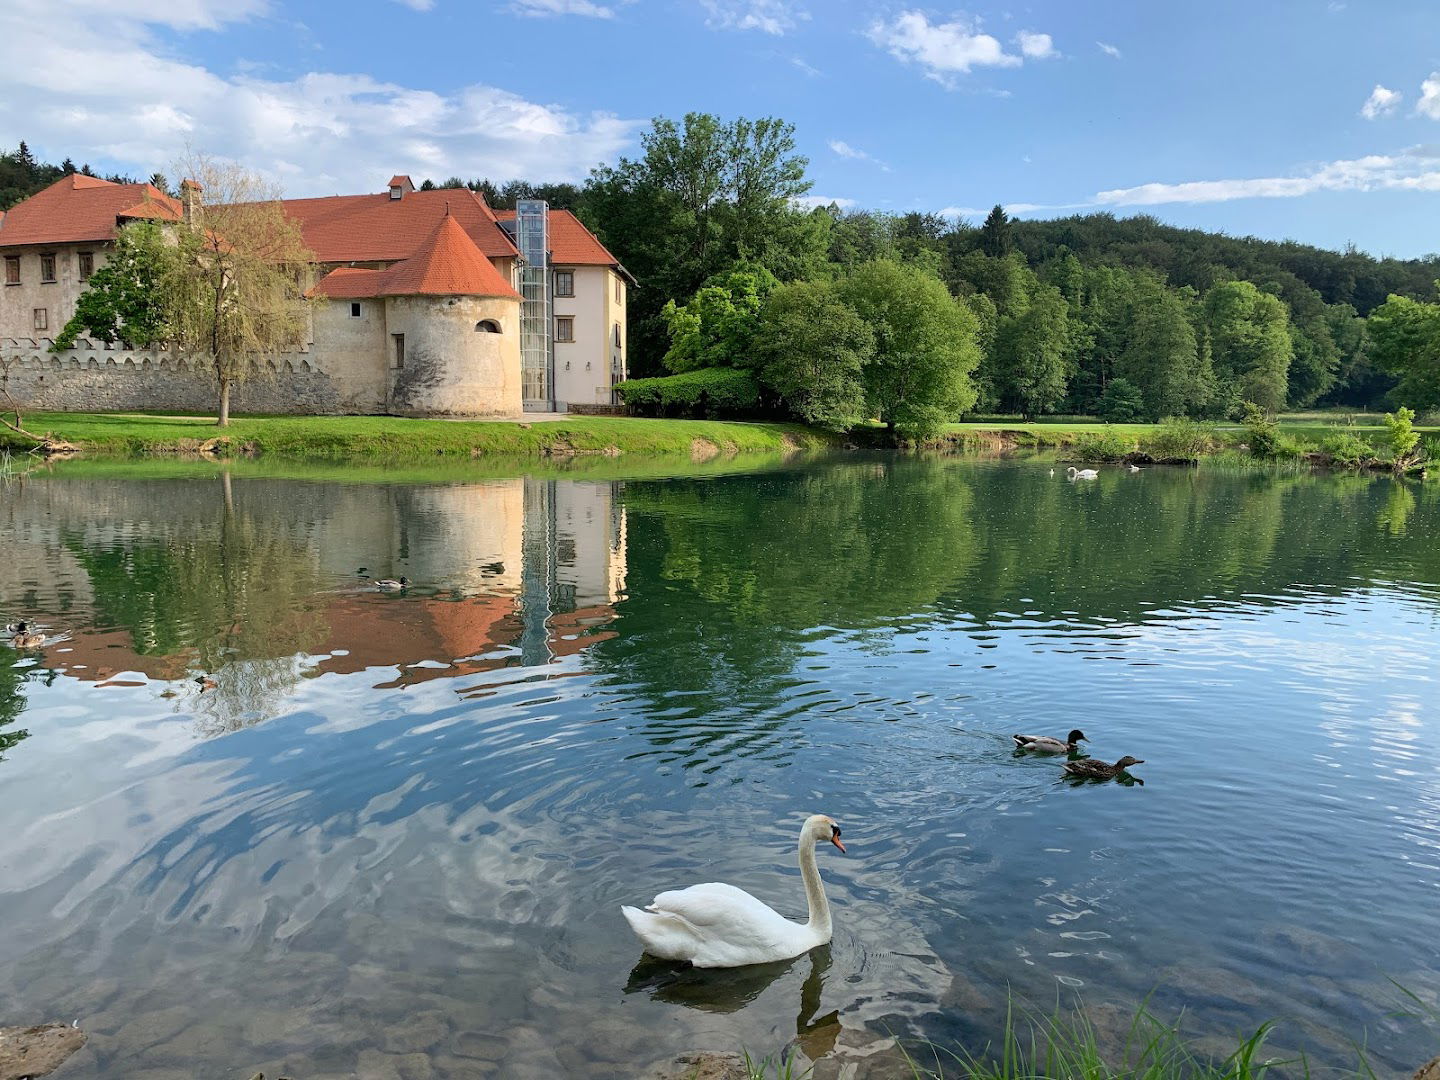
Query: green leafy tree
(1250, 343)
(1405, 339)
(1122, 403)
(925, 351)
(1161, 357)
(706, 195)
(124, 300)
(813, 348)
(1031, 366)
(716, 328)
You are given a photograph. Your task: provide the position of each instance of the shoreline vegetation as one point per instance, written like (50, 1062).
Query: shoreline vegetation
(1377, 442)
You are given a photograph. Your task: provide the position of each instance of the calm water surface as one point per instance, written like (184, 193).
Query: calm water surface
(257, 816)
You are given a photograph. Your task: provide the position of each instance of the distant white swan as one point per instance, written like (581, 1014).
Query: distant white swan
(719, 926)
(1081, 474)
(1134, 467)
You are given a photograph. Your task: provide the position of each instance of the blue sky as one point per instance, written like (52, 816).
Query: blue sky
(1312, 119)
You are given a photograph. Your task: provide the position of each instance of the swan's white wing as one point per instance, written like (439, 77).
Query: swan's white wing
(715, 908)
(722, 926)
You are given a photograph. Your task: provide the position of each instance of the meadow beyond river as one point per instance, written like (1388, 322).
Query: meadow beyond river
(260, 816)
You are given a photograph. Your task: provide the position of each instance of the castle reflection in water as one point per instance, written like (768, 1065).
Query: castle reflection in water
(200, 582)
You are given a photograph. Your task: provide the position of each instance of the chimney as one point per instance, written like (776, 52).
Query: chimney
(189, 201)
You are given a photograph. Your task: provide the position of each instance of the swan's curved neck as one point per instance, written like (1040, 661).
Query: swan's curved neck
(814, 889)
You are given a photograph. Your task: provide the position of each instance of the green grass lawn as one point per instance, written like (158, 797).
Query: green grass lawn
(346, 436)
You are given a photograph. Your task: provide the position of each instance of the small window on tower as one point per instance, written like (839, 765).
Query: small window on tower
(47, 269)
(87, 265)
(12, 269)
(564, 282)
(487, 326)
(564, 328)
(42, 319)
(355, 310)
(619, 290)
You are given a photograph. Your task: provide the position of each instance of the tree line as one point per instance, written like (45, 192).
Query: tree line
(1126, 318)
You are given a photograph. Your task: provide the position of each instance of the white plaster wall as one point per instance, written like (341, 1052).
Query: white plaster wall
(18, 302)
(450, 367)
(352, 351)
(591, 308)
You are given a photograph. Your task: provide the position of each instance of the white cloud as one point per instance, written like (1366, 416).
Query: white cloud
(90, 75)
(543, 8)
(1108, 49)
(1036, 46)
(809, 202)
(1429, 103)
(813, 72)
(845, 150)
(1381, 102)
(418, 5)
(1413, 169)
(768, 16)
(941, 49)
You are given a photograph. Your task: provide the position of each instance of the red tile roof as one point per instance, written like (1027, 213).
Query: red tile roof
(571, 243)
(377, 228)
(447, 264)
(79, 208)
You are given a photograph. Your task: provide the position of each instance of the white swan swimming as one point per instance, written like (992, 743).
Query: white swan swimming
(719, 926)
(1081, 474)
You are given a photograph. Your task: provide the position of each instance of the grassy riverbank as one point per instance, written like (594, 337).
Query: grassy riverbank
(1326, 440)
(391, 436)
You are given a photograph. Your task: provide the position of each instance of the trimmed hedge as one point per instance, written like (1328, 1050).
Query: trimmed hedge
(703, 393)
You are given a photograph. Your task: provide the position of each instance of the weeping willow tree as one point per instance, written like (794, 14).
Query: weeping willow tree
(237, 276)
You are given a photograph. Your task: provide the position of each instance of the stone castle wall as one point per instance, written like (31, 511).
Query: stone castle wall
(97, 378)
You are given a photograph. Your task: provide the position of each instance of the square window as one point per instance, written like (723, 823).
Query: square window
(12, 269)
(564, 282)
(564, 328)
(354, 311)
(42, 319)
(87, 265)
(47, 269)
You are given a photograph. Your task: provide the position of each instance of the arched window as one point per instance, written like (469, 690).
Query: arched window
(487, 326)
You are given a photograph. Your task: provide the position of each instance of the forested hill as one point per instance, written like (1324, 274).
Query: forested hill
(1199, 259)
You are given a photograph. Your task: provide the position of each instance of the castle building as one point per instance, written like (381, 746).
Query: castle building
(434, 305)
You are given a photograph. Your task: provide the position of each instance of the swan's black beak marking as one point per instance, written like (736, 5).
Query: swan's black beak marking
(835, 838)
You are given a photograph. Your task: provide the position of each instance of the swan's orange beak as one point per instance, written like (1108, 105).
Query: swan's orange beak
(835, 839)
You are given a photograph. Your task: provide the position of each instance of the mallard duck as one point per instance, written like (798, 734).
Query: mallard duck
(1081, 474)
(1044, 744)
(392, 585)
(1092, 769)
(22, 637)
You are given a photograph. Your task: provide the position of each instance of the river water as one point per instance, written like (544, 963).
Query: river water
(258, 815)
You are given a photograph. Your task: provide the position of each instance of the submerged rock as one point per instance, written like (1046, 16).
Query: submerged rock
(706, 1066)
(37, 1051)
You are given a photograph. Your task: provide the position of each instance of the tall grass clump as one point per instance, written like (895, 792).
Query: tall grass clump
(1179, 438)
(1348, 449)
(1104, 446)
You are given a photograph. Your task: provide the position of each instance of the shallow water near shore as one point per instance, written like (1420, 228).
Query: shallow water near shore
(258, 815)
